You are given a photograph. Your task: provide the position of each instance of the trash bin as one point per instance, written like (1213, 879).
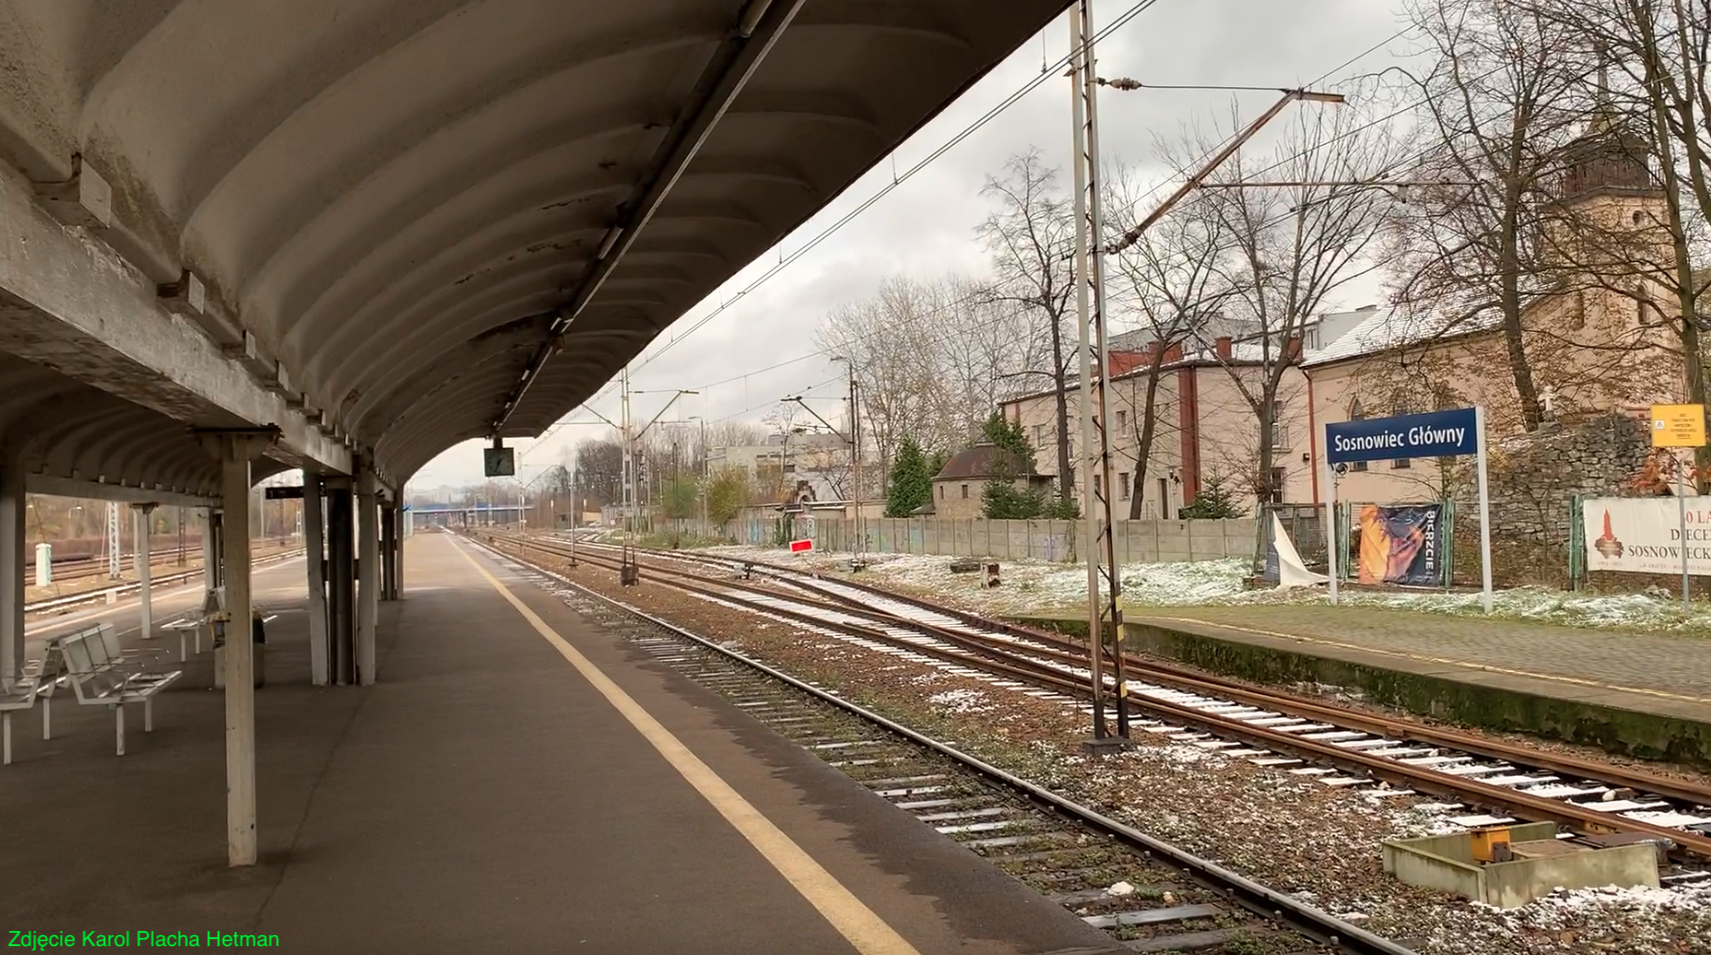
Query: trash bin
(258, 635)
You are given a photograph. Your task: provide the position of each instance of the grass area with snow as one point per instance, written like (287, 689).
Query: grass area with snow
(1041, 588)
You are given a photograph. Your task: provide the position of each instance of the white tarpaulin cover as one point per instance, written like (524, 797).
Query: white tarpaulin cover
(1642, 535)
(1291, 572)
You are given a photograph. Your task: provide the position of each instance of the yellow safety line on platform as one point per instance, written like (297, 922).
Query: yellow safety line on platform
(854, 920)
(1423, 658)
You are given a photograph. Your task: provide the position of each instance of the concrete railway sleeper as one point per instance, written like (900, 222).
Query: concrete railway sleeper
(1167, 900)
(1340, 753)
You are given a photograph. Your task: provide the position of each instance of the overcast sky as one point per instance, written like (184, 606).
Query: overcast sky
(925, 227)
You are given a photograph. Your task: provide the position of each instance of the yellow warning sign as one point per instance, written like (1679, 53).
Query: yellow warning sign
(1678, 426)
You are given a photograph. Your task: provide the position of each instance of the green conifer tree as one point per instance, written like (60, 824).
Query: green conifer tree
(911, 482)
(1214, 502)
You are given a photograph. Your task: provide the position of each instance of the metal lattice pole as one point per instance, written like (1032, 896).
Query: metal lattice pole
(1104, 575)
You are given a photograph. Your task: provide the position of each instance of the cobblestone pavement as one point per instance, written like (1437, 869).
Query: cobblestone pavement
(1674, 668)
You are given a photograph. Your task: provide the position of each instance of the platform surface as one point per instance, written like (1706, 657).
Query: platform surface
(1659, 674)
(484, 796)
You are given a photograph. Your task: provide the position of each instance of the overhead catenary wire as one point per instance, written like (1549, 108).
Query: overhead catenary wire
(897, 180)
(1048, 70)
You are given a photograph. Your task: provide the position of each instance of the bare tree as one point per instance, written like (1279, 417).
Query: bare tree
(932, 358)
(1031, 235)
(1501, 99)
(1169, 281)
(1293, 249)
(980, 343)
(1660, 54)
(889, 342)
(599, 470)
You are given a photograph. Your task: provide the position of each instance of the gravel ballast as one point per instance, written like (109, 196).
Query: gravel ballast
(1285, 830)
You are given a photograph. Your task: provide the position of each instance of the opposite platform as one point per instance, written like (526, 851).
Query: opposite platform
(518, 781)
(1647, 695)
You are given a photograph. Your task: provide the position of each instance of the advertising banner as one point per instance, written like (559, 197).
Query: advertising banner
(1399, 544)
(1642, 535)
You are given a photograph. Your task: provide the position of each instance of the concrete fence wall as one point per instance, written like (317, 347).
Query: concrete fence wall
(1137, 541)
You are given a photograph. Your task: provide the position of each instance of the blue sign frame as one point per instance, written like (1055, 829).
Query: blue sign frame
(1435, 434)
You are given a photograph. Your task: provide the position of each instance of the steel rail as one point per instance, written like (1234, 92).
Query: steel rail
(1420, 778)
(1367, 722)
(88, 596)
(1252, 895)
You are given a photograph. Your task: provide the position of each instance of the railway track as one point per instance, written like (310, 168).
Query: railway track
(1149, 895)
(1493, 781)
(59, 604)
(89, 565)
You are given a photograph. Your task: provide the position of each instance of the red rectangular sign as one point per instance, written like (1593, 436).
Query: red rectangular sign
(797, 547)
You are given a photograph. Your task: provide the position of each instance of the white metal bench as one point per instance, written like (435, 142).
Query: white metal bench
(49, 673)
(116, 652)
(191, 627)
(14, 696)
(99, 680)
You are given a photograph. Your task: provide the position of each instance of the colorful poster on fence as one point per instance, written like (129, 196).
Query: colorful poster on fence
(1642, 535)
(1399, 544)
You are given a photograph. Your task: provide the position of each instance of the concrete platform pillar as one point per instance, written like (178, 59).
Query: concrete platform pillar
(12, 505)
(406, 520)
(341, 571)
(236, 451)
(320, 654)
(368, 574)
(144, 531)
(384, 549)
(391, 545)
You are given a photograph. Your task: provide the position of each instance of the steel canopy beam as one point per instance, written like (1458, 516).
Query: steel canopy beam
(758, 27)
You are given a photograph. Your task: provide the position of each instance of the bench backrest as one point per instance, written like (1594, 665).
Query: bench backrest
(91, 675)
(53, 660)
(109, 639)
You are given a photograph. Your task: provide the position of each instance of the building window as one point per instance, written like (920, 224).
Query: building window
(1401, 464)
(1039, 435)
(1123, 485)
(1122, 420)
(1163, 498)
(1278, 477)
(965, 492)
(1357, 412)
(1279, 428)
(1098, 484)
(941, 492)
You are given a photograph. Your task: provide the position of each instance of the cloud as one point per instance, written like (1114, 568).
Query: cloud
(926, 226)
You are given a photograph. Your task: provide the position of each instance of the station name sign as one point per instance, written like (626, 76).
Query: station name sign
(1432, 435)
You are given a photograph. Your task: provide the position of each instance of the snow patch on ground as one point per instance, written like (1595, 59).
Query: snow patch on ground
(1693, 898)
(962, 701)
(1038, 586)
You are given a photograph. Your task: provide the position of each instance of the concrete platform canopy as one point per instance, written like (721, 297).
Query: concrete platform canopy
(386, 226)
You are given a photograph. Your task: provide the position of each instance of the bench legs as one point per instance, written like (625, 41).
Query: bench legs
(47, 717)
(119, 726)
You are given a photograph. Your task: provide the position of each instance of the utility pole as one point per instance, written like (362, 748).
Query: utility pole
(703, 469)
(1107, 610)
(627, 573)
(855, 456)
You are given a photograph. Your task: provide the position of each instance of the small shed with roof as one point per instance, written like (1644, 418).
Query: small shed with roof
(959, 487)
